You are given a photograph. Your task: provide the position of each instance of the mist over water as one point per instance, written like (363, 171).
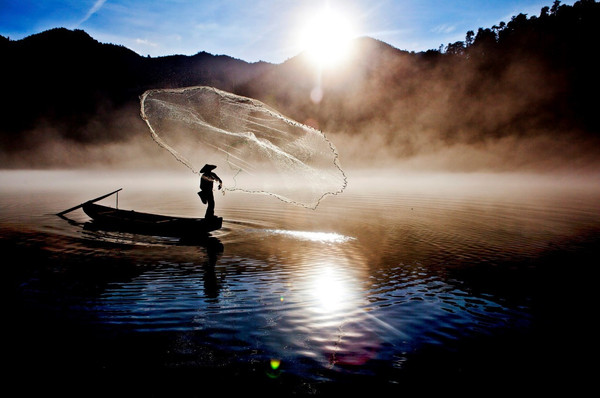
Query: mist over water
(404, 275)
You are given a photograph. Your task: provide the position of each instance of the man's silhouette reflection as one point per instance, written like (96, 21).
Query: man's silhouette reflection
(214, 249)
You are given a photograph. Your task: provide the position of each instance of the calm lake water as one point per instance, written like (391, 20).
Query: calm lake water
(404, 281)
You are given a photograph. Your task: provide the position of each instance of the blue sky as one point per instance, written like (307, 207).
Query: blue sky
(255, 30)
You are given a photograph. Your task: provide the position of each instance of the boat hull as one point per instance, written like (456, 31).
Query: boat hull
(150, 224)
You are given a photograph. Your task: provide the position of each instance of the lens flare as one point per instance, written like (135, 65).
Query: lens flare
(275, 363)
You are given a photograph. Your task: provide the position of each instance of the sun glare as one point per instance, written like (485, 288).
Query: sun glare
(331, 291)
(327, 37)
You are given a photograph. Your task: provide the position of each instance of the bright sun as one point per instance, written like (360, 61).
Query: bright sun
(327, 37)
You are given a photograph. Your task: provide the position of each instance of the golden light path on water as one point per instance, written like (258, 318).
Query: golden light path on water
(328, 267)
(328, 300)
(330, 284)
(323, 237)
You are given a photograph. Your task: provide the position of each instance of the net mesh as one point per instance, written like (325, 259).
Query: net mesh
(257, 149)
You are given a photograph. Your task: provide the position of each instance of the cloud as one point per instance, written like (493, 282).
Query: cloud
(146, 42)
(97, 6)
(444, 28)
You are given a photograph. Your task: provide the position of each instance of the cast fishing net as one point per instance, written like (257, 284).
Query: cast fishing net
(256, 149)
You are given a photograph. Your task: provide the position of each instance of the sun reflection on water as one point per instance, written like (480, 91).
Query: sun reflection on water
(342, 330)
(324, 237)
(330, 291)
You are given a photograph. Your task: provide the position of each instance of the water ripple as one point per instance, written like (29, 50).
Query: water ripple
(368, 278)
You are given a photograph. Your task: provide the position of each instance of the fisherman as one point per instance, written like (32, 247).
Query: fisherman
(206, 188)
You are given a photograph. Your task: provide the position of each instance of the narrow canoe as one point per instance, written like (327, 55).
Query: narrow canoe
(152, 224)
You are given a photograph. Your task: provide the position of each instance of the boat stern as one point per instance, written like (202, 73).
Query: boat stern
(212, 223)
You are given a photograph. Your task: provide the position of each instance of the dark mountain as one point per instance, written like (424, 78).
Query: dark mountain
(523, 88)
(66, 79)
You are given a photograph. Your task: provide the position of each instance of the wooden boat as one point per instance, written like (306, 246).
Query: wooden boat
(146, 223)
(152, 224)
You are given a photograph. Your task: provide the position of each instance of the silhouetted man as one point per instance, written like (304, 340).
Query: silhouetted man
(206, 188)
